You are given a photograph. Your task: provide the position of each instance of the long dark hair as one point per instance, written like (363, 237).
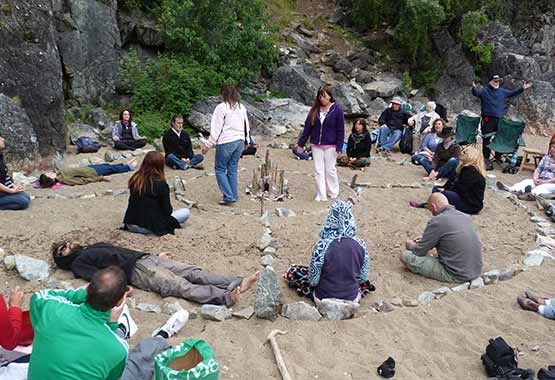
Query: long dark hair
(230, 95)
(364, 126)
(130, 115)
(151, 169)
(324, 89)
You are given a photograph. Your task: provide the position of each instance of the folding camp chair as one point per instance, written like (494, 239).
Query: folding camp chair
(467, 129)
(507, 140)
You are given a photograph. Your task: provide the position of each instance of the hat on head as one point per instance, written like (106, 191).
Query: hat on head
(397, 100)
(495, 77)
(446, 132)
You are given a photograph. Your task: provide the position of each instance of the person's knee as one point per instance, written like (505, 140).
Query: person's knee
(22, 201)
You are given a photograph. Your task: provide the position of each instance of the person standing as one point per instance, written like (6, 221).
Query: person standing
(391, 123)
(492, 98)
(325, 125)
(178, 147)
(125, 133)
(229, 130)
(12, 197)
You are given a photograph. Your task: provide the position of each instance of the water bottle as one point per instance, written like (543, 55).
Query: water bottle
(514, 159)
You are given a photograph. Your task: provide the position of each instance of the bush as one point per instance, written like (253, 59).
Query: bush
(151, 124)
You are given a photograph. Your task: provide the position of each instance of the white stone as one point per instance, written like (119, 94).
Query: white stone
(544, 241)
(149, 308)
(245, 313)
(32, 269)
(442, 292)
(533, 259)
(215, 312)
(491, 277)
(461, 287)
(477, 283)
(336, 309)
(426, 298)
(300, 311)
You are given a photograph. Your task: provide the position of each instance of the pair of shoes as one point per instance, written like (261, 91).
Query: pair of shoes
(501, 186)
(198, 167)
(387, 369)
(223, 202)
(174, 323)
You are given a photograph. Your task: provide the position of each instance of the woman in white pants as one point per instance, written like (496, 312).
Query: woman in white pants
(325, 125)
(543, 180)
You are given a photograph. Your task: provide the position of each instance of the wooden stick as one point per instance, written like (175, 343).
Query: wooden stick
(277, 353)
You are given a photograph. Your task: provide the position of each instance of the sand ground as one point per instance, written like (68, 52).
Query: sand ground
(440, 341)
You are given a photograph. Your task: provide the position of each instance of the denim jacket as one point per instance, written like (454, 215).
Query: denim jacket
(331, 133)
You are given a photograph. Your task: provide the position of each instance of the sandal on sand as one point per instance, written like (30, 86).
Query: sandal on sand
(534, 296)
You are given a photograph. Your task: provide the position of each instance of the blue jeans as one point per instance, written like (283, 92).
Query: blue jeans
(18, 201)
(423, 160)
(226, 165)
(549, 309)
(448, 169)
(173, 161)
(389, 137)
(107, 169)
(181, 215)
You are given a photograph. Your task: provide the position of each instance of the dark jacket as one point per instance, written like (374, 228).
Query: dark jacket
(470, 185)
(331, 133)
(342, 266)
(493, 101)
(442, 155)
(394, 119)
(152, 209)
(92, 258)
(361, 148)
(178, 145)
(3, 170)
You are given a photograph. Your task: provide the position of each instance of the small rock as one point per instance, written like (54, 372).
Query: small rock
(410, 302)
(265, 240)
(544, 241)
(9, 262)
(265, 219)
(245, 313)
(121, 192)
(107, 192)
(149, 308)
(137, 152)
(267, 261)
(397, 302)
(269, 251)
(442, 292)
(87, 196)
(506, 275)
(56, 196)
(383, 306)
(32, 269)
(284, 212)
(215, 312)
(300, 311)
(477, 283)
(461, 287)
(533, 259)
(535, 348)
(538, 219)
(335, 309)
(110, 156)
(426, 298)
(268, 295)
(171, 307)
(491, 277)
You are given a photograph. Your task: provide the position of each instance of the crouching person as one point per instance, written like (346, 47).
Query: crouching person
(453, 235)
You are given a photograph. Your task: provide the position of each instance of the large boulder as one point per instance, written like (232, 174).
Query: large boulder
(89, 43)
(385, 85)
(286, 112)
(304, 43)
(299, 82)
(139, 29)
(352, 98)
(22, 147)
(30, 68)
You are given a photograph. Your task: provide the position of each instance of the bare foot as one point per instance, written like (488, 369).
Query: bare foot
(132, 164)
(235, 295)
(249, 281)
(527, 304)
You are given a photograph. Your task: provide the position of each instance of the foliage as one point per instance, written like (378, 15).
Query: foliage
(151, 124)
(407, 83)
(146, 6)
(230, 36)
(372, 13)
(472, 23)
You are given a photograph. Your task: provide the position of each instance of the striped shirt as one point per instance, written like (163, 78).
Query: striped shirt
(5, 179)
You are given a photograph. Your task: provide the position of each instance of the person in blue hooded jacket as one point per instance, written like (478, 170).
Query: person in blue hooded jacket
(492, 98)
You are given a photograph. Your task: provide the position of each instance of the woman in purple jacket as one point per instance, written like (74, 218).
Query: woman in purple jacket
(325, 125)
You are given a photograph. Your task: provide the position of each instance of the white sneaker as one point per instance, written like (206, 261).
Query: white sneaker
(174, 323)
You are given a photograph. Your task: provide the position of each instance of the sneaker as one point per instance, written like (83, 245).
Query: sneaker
(501, 186)
(126, 324)
(226, 203)
(174, 323)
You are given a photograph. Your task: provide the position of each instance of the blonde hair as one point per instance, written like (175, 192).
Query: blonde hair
(471, 155)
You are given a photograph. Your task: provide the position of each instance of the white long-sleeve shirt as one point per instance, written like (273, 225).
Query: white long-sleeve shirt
(228, 125)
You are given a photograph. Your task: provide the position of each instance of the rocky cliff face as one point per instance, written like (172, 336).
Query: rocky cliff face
(31, 72)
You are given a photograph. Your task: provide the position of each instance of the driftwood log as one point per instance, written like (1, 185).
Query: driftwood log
(277, 353)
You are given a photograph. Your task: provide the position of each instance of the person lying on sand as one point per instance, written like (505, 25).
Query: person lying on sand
(85, 175)
(539, 304)
(452, 233)
(156, 273)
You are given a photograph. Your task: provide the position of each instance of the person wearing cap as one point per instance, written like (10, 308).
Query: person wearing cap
(446, 156)
(492, 98)
(391, 121)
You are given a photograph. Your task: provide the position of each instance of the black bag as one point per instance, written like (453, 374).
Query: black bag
(405, 144)
(441, 111)
(86, 144)
(499, 358)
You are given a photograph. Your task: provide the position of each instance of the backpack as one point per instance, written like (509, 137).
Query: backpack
(405, 144)
(441, 111)
(499, 358)
(86, 144)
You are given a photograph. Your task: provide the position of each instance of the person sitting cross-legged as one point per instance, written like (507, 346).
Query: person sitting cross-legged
(178, 147)
(12, 197)
(155, 273)
(391, 123)
(453, 235)
(126, 134)
(68, 324)
(358, 147)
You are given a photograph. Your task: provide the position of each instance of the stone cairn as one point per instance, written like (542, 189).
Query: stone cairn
(268, 182)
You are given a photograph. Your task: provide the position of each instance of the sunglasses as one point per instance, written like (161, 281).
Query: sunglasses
(61, 248)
